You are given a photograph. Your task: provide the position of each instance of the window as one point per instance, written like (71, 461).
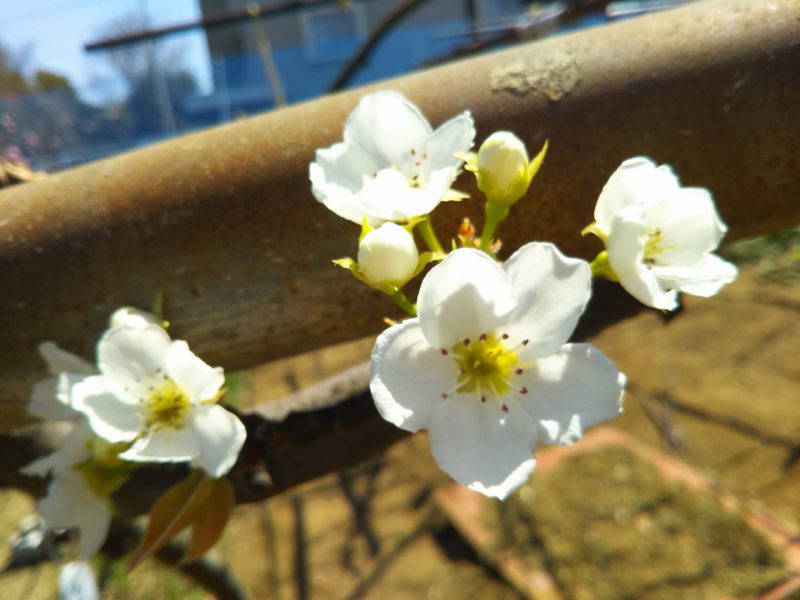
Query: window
(333, 33)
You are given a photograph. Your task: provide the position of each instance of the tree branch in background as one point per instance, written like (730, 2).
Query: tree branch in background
(393, 18)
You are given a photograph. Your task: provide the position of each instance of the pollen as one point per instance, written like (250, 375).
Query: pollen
(485, 365)
(167, 406)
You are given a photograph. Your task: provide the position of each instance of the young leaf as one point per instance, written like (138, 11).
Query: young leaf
(172, 513)
(211, 520)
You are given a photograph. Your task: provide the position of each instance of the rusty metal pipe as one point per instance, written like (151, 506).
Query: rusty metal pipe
(224, 224)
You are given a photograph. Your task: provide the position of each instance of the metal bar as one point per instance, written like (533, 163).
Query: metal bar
(224, 224)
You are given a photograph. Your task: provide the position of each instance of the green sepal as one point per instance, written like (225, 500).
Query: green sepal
(536, 162)
(365, 228)
(602, 268)
(595, 229)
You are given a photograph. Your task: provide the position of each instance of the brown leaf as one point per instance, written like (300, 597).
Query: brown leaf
(211, 520)
(172, 513)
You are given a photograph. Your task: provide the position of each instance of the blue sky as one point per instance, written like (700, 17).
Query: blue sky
(52, 33)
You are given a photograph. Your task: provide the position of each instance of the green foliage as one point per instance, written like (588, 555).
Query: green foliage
(777, 254)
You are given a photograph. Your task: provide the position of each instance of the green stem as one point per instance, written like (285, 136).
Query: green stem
(403, 302)
(495, 214)
(425, 230)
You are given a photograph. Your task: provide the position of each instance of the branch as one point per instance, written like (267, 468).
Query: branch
(400, 11)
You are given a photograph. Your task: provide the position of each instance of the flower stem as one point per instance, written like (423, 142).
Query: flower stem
(403, 302)
(495, 214)
(601, 267)
(425, 229)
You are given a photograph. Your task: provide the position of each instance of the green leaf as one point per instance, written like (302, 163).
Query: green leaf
(172, 513)
(211, 520)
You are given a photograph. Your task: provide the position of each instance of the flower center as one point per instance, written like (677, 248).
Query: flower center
(486, 366)
(167, 406)
(653, 246)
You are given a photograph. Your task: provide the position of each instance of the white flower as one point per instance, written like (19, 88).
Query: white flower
(388, 254)
(486, 369)
(69, 503)
(502, 169)
(660, 236)
(391, 165)
(155, 393)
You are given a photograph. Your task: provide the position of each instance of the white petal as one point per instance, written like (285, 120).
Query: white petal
(337, 176)
(164, 445)
(552, 291)
(70, 503)
(626, 256)
(464, 296)
(386, 126)
(479, 446)
(573, 389)
(191, 374)
(46, 403)
(409, 376)
(454, 136)
(133, 357)
(220, 435)
(76, 581)
(637, 180)
(111, 417)
(704, 278)
(60, 361)
(689, 224)
(72, 450)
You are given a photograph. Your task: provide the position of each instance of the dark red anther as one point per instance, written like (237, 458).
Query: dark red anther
(444, 351)
(483, 398)
(505, 408)
(483, 337)
(466, 342)
(518, 371)
(523, 390)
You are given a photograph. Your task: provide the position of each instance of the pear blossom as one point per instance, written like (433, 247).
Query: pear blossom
(388, 254)
(155, 394)
(502, 169)
(392, 165)
(659, 236)
(485, 367)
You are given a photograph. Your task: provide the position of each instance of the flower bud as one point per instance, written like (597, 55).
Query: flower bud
(388, 254)
(502, 168)
(128, 316)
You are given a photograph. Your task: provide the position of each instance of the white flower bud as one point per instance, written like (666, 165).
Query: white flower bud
(502, 168)
(128, 316)
(388, 254)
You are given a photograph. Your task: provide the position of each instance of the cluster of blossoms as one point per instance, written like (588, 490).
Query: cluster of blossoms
(483, 363)
(148, 399)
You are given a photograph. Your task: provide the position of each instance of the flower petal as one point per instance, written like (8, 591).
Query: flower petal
(221, 436)
(573, 389)
(704, 278)
(60, 361)
(337, 176)
(464, 296)
(73, 449)
(478, 445)
(191, 374)
(689, 224)
(551, 291)
(71, 503)
(409, 376)
(111, 417)
(133, 357)
(626, 257)
(637, 180)
(454, 136)
(164, 445)
(386, 126)
(46, 401)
